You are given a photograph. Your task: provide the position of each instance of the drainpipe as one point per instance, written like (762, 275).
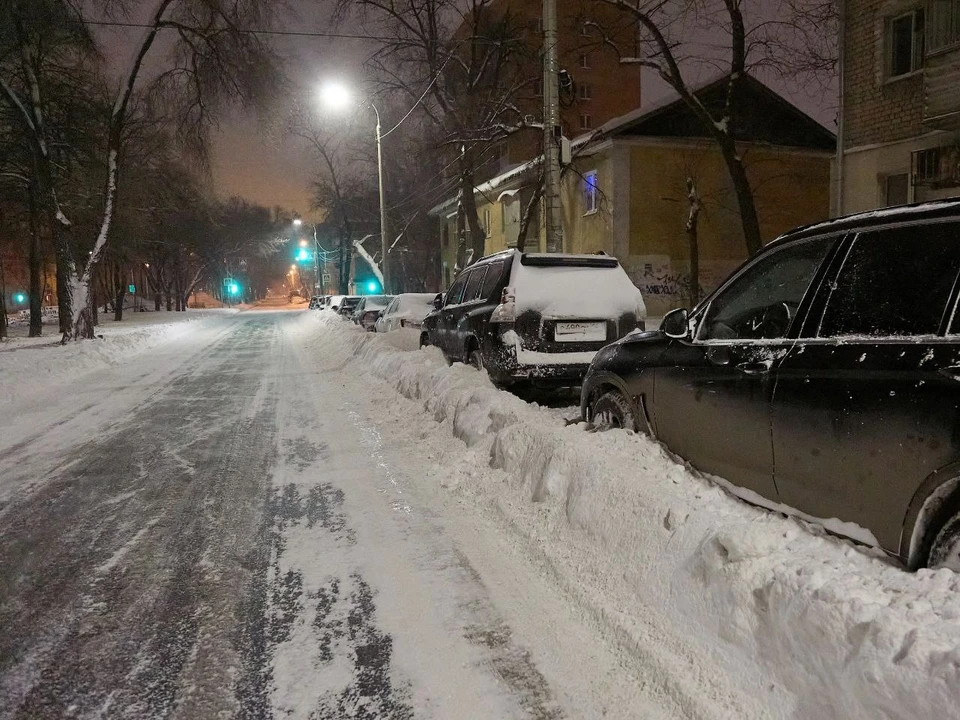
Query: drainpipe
(840, 123)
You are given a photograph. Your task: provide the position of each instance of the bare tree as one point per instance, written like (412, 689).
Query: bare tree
(465, 65)
(211, 61)
(673, 46)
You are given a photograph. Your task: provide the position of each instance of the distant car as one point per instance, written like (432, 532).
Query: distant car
(535, 318)
(823, 378)
(347, 305)
(316, 302)
(369, 309)
(406, 311)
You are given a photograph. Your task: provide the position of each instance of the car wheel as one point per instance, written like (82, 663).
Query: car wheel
(476, 359)
(424, 340)
(612, 411)
(944, 549)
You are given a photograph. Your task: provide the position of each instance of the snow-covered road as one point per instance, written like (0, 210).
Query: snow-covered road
(275, 514)
(221, 528)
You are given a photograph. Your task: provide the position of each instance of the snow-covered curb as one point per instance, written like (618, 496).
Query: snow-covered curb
(29, 364)
(831, 630)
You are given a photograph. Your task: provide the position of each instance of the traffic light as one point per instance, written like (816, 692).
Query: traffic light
(19, 298)
(372, 286)
(304, 255)
(233, 289)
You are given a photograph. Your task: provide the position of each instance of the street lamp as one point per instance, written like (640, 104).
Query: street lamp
(337, 97)
(297, 222)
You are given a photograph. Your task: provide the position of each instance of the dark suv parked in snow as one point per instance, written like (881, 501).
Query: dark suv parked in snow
(534, 317)
(823, 375)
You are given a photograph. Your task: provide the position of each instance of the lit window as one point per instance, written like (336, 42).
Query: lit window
(591, 193)
(905, 44)
(586, 122)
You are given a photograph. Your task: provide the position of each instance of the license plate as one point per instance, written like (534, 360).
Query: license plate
(580, 332)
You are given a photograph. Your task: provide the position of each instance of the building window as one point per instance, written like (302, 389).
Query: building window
(926, 166)
(585, 61)
(905, 44)
(586, 122)
(943, 28)
(591, 192)
(486, 222)
(896, 189)
(538, 87)
(445, 235)
(539, 26)
(586, 92)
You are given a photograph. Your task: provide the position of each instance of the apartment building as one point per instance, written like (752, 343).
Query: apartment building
(900, 104)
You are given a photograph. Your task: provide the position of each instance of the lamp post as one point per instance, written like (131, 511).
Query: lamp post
(338, 97)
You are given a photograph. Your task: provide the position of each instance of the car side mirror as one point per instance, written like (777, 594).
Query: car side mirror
(676, 324)
(438, 301)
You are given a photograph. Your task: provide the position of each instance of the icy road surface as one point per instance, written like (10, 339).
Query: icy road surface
(221, 528)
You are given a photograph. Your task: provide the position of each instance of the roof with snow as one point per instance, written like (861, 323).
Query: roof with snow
(763, 116)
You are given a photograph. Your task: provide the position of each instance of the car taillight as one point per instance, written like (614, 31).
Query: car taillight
(506, 311)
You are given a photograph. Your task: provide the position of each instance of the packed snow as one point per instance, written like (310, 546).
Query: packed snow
(720, 601)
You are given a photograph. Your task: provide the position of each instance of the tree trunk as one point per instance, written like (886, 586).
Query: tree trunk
(692, 228)
(3, 302)
(745, 202)
(528, 213)
(477, 232)
(157, 299)
(119, 292)
(36, 265)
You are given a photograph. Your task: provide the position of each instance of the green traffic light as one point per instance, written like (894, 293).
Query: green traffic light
(303, 255)
(234, 288)
(372, 286)
(19, 298)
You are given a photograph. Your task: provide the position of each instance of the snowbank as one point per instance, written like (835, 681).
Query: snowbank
(823, 628)
(27, 364)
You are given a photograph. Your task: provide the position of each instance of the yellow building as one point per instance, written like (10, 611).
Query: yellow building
(625, 192)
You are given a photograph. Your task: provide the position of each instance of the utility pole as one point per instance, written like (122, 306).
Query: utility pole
(551, 129)
(384, 234)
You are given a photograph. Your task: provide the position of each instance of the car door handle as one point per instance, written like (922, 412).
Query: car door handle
(951, 373)
(755, 368)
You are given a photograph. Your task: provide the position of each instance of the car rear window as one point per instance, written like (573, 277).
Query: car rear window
(894, 282)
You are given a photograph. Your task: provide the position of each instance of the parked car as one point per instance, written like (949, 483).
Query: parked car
(333, 302)
(535, 318)
(368, 310)
(316, 302)
(347, 305)
(406, 311)
(823, 375)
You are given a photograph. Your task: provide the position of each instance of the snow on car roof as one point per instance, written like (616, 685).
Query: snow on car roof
(572, 290)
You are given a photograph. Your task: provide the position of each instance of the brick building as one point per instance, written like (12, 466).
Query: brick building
(599, 87)
(900, 103)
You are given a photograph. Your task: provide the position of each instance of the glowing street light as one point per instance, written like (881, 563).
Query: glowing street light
(337, 97)
(19, 298)
(297, 222)
(303, 243)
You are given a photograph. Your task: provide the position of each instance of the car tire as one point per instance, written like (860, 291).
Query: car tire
(424, 340)
(613, 411)
(943, 548)
(475, 359)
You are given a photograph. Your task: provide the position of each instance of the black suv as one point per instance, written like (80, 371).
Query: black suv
(823, 375)
(534, 317)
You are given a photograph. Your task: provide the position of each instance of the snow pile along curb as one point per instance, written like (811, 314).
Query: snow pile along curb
(26, 364)
(821, 628)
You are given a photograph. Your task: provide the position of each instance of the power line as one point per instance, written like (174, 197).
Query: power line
(251, 31)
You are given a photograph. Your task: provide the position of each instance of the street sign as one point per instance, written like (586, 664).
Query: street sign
(227, 281)
(132, 289)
